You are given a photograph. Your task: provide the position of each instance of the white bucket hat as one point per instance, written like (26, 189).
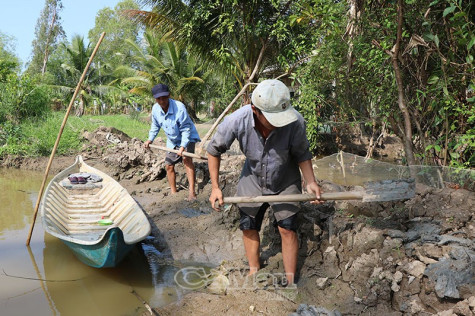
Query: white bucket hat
(272, 97)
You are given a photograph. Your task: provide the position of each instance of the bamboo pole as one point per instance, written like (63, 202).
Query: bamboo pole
(59, 137)
(329, 196)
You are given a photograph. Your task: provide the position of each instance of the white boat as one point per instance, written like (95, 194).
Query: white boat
(98, 220)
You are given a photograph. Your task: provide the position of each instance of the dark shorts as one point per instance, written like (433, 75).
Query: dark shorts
(247, 186)
(173, 159)
(248, 222)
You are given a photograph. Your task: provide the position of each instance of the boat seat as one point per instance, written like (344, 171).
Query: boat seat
(65, 183)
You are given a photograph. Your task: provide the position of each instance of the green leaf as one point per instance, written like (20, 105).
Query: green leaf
(436, 40)
(433, 3)
(449, 10)
(469, 59)
(446, 92)
(470, 44)
(429, 36)
(437, 147)
(433, 80)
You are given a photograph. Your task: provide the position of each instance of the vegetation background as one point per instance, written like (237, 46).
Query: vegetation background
(402, 67)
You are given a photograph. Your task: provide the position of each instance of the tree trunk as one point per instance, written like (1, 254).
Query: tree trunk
(408, 146)
(80, 108)
(48, 39)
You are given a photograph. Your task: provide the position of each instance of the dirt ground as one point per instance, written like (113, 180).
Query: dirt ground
(414, 257)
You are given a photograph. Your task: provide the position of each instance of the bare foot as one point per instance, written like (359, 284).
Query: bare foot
(191, 198)
(252, 270)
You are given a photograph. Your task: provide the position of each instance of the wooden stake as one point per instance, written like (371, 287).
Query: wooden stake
(59, 137)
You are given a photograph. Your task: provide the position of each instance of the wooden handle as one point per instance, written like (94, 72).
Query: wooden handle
(351, 195)
(187, 154)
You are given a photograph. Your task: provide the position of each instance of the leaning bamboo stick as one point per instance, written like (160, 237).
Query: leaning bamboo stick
(200, 148)
(40, 193)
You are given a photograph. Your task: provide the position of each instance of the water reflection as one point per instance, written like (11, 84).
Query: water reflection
(16, 195)
(47, 279)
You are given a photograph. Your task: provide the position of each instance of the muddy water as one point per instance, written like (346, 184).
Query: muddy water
(47, 279)
(356, 170)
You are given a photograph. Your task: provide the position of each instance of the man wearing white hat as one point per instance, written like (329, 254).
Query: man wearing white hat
(271, 134)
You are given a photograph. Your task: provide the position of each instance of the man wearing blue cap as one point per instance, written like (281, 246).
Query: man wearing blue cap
(172, 117)
(271, 134)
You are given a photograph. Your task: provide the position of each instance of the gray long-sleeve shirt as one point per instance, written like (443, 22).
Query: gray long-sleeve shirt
(271, 163)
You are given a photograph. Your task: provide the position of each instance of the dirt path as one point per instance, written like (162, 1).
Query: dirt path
(414, 257)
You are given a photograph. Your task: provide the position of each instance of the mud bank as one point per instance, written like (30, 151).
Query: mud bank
(414, 257)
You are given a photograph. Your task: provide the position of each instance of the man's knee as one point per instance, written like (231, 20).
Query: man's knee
(170, 168)
(187, 161)
(290, 223)
(250, 233)
(287, 233)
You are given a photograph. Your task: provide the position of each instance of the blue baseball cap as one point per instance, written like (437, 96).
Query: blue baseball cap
(160, 90)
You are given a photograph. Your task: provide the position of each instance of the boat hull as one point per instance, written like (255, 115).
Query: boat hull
(108, 253)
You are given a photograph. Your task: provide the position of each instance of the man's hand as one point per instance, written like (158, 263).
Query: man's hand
(147, 144)
(180, 151)
(216, 195)
(315, 189)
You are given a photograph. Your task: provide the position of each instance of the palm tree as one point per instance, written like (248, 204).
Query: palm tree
(165, 62)
(229, 34)
(78, 54)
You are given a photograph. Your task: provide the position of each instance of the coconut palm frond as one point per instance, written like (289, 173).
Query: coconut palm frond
(196, 79)
(124, 71)
(137, 81)
(140, 91)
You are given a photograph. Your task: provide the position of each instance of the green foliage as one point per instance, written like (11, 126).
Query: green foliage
(337, 55)
(21, 98)
(65, 78)
(9, 63)
(10, 138)
(118, 28)
(163, 61)
(229, 35)
(135, 126)
(320, 99)
(444, 80)
(36, 137)
(351, 78)
(220, 93)
(7, 67)
(42, 143)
